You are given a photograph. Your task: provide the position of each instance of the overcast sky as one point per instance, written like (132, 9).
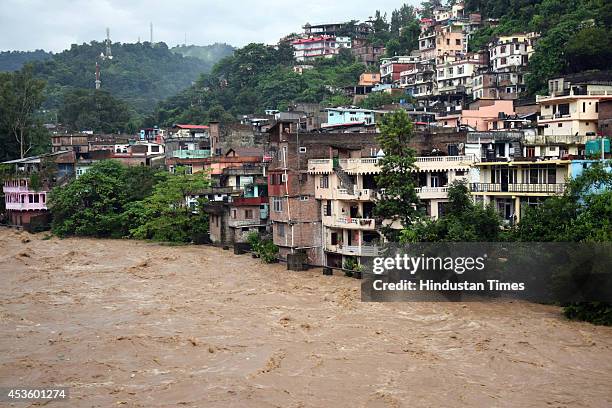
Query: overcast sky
(55, 24)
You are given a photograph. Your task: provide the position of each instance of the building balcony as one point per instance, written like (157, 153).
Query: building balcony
(254, 222)
(429, 193)
(363, 194)
(544, 140)
(191, 154)
(249, 201)
(571, 93)
(436, 163)
(353, 250)
(349, 222)
(26, 206)
(16, 186)
(520, 188)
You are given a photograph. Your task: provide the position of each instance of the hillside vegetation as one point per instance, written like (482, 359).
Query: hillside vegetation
(140, 74)
(255, 78)
(15, 60)
(210, 54)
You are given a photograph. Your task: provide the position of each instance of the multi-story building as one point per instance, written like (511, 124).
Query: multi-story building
(454, 74)
(511, 53)
(368, 54)
(518, 169)
(572, 106)
(391, 68)
(351, 116)
(294, 212)
(237, 204)
(450, 40)
(419, 81)
(347, 191)
(308, 49)
(25, 195)
(350, 29)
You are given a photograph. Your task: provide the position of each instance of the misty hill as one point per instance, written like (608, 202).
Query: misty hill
(207, 53)
(14, 60)
(139, 74)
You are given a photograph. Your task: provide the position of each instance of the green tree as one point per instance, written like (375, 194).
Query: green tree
(463, 221)
(97, 110)
(398, 200)
(21, 95)
(93, 204)
(164, 215)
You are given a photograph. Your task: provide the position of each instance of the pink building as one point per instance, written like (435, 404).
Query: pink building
(487, 118)
(22, 202)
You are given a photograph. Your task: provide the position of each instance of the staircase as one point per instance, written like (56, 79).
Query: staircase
(345, 180)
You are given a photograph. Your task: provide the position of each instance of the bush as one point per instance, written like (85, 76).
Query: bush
(263, 248)
(593, 312)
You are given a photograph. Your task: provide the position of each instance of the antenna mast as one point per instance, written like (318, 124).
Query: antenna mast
(98, 82)
(151, 29)
(108, 54)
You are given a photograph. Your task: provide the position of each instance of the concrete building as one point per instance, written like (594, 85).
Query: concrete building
(391, 68)
(309, 49)
(25, 195)
(346, 189)
(572, 106)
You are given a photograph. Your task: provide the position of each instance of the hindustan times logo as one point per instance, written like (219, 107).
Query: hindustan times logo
(413, 264)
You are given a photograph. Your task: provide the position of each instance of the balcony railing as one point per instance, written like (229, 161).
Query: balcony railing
(354, 250)
(557, 188)
(425, 193)
(191, 154)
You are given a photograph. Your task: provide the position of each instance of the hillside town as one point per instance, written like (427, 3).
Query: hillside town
(409, 209)
(307, 176)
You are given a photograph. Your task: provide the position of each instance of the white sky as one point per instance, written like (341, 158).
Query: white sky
(55, 24)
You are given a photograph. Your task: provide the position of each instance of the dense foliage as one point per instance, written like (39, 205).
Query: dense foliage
(15, 60)
(113, 200)
(400, 35)
(463, 221)
(97, 110)
(210, 54)
(163, 215)
(255, 78)
(576, 34)
(21, 131)
(582, 214)
(93, 204)
(141, 74)
(398, 199)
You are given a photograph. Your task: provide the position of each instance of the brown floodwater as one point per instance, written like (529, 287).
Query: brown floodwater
(137, 324)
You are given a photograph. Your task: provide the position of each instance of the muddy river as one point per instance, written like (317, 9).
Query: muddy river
(137, 324)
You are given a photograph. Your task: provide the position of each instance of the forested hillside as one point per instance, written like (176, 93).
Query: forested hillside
(14, 60)
(140, 74)
(210, 54)
(255, 78)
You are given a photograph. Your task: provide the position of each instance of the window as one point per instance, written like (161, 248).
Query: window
(234, 214)
(302, 149)
(281, 229)
(324, 181)
(284, 177)
(248, 214)
(277, 204)
(457, 42)
(155, 149)
(327, 210)
(304, 198)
